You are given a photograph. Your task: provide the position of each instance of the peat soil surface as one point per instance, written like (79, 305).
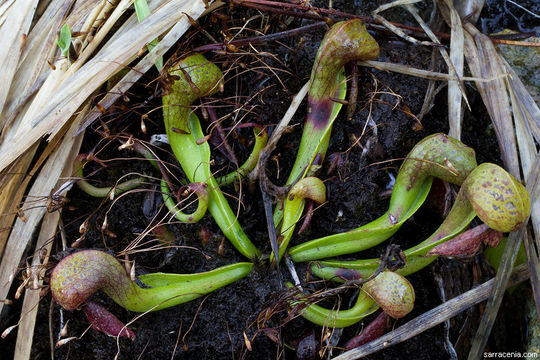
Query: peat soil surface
(261, 86)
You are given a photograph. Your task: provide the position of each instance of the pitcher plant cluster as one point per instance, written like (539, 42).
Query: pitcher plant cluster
(486, 191)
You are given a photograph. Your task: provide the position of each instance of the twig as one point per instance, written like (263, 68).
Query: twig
(260, 170)
(279, 130)
(373, 24)
(312, 9)
(260, 39)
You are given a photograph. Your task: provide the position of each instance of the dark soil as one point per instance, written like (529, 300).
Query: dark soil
(213, 327)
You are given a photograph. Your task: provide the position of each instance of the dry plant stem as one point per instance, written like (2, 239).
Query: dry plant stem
(426, 74)
(260, 39)
(267, 188)
(432, 90)
(456, 89)
(393, 28)
(278, 10)
(274, 6)
(512, 38)
(218, 137)
(352, 69)
(315, 10)
(292, 271)
(283, 125)
(434, 317)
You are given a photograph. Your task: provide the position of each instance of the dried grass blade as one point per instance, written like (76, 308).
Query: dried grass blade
(279, 130)
(76, 89)
(11, 195)
(103, 31)
(16, 22)
(22, 231)
(4, 7)
(95, 20)
(527, 105)
(137, 71)
(527, 154)
(527, 118)
(455, 64)
(530, 249)
(47, 232)
(92, 23)
(456, 89)
(534, 268)
(33, 67)
(493, 93)
(30, 306)
(526, 145)
(394, 28)
(18, 192)
(432, 89)
(12, 187)
(425, 74)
